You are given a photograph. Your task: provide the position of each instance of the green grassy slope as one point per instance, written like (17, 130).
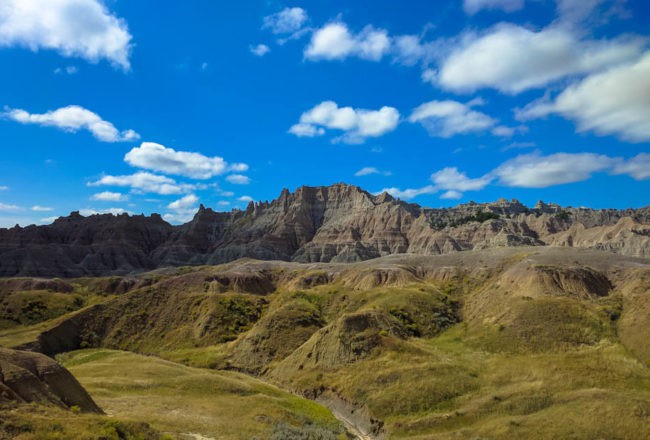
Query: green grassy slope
(180, 400)
(506, 343)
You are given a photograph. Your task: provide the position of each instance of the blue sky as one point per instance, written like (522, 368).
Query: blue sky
(140, 107)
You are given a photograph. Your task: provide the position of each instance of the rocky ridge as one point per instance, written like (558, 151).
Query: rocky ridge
(338, 223)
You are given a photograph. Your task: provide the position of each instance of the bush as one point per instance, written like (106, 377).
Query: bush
(285, 431)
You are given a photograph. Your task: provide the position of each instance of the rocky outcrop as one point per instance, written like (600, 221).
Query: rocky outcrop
(33, 377)
(339, 223)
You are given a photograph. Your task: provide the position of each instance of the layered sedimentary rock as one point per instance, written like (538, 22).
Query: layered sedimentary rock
(339, 223)
(33, 377)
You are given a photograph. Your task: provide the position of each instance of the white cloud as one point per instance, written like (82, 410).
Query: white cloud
(511, 58)
(535, 171)
(453, 180)
(74, 118)
(70, 70)
(146, 183)
(451, 195)
(38, 208)
(448, 118)
(471, 7)
(615, 102)
(226, 193)
(531, 171)
(223, 203)
(156, 157)
(185, 202)
(108, 196)
(287, 21)
(4, 188)
(410, 193)
(306, 130)
(260, 50)
(638, 167)
(238, 167)
(238, 179)
(74, 28)
(366, 171)
(183, 209)
(334, 41)
(48, 220)
(114, 211)
(10, 208)
(358, 124)
(409, 50)
(245, 199)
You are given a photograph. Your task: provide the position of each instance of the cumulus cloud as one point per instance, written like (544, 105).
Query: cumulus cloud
(366, 171)
(183, 209)
(74, 118)
(334, 41)
(238, 179)
(287, 21)
(471, 7)
(109, 196)
(156, 157)
(260, 50)
(448, 118)
(245, 199)
(38, 208)
(408, 194)
(74, 28)
(637, 167)
(146, 183)
(451, 179)
(512, 58)
(357, 124)
(185, 202)
(615, 102)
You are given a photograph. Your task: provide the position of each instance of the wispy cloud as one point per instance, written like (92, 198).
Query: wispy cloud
(287, 21)
(238, 179)
(367, 171)
(259, 49)
(38, 208)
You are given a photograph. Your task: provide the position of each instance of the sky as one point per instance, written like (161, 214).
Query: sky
(116, 106)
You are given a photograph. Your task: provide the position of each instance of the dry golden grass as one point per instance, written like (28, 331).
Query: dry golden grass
(180, 400)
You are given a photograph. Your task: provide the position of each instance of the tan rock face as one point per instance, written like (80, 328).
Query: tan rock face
(339, 223)
(34, 377)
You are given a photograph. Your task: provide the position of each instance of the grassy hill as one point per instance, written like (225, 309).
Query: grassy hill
(531, 343)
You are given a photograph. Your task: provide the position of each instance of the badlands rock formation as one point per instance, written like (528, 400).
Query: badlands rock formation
(339, 223)
(33, 377)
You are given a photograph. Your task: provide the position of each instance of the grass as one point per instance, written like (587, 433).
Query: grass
(526, 361)
(41, 422)
(176, 399)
